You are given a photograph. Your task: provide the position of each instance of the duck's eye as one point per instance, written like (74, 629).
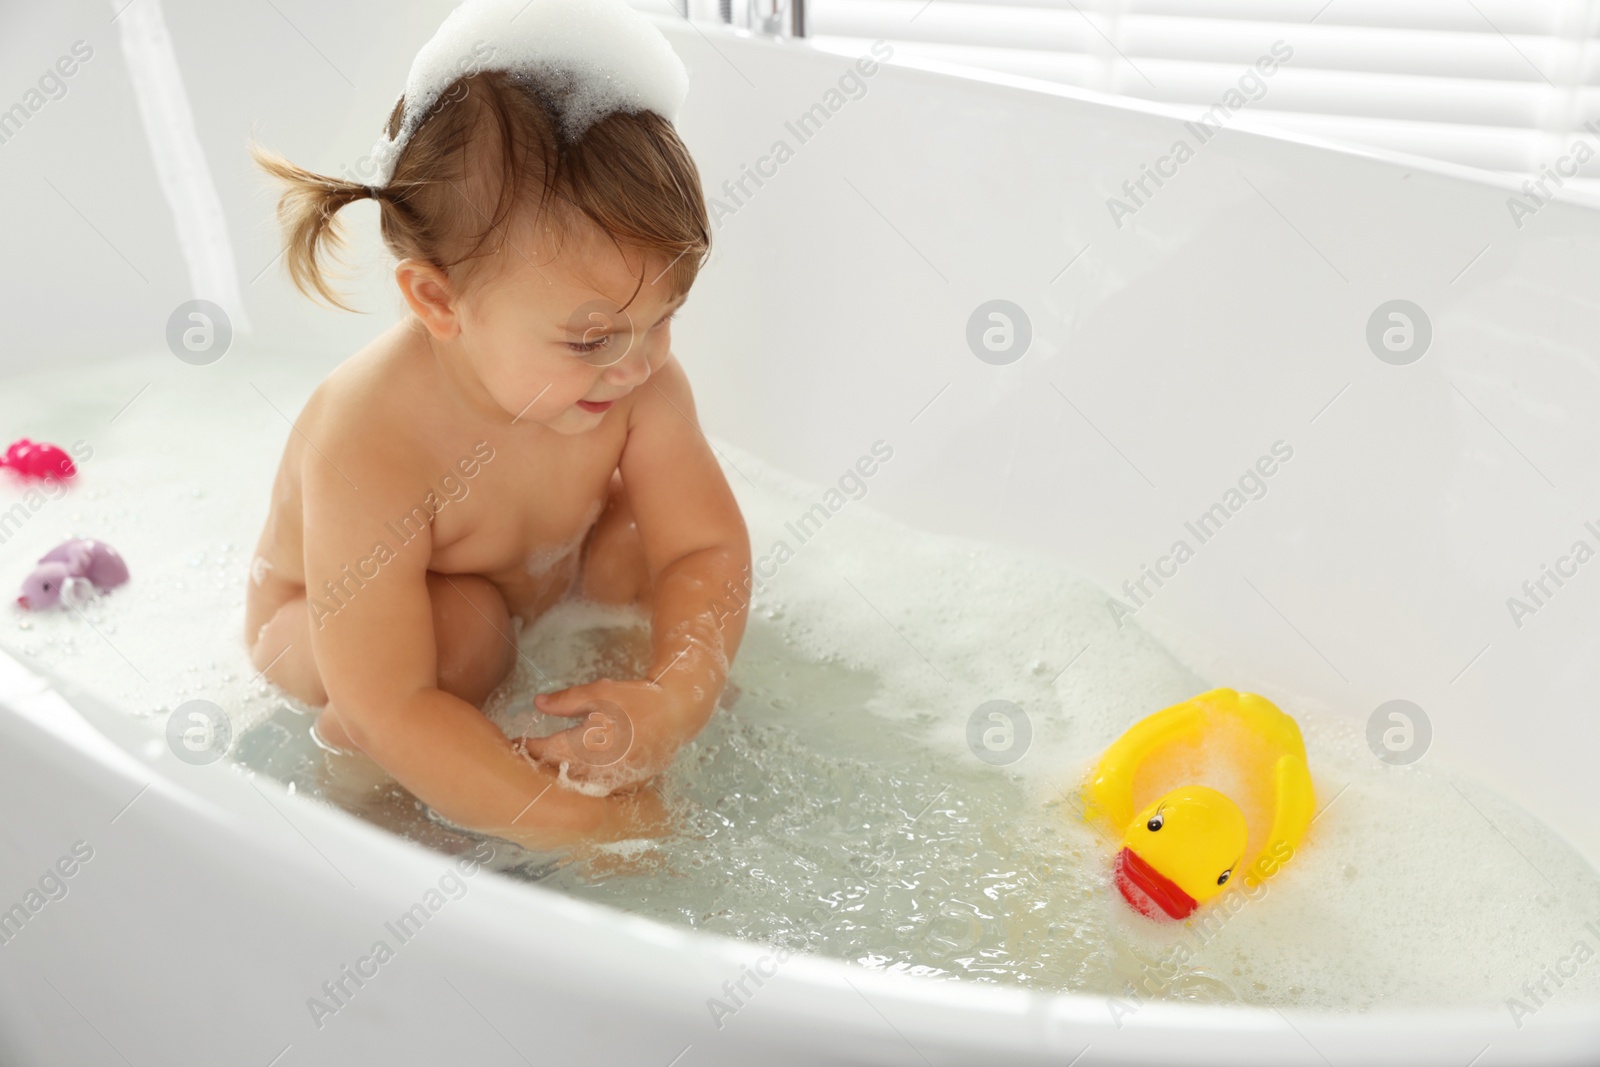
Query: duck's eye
(1155, 822)
(48, 587)
(1222, 879)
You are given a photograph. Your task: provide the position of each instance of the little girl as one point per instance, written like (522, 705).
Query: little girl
(523, 434)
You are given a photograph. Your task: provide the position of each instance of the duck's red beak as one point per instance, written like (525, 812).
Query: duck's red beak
(23, 600)
(1148, 891)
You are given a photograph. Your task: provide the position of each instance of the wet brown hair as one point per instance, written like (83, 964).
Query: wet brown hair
(477, 157)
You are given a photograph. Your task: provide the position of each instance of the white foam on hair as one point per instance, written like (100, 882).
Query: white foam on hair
(601, 55)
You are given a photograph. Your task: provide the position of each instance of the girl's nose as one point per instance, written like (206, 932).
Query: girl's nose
(632, 369)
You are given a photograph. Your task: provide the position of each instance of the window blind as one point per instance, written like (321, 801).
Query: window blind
(1505, 85)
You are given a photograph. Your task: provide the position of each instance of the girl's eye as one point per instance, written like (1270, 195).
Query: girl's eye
(584, 348)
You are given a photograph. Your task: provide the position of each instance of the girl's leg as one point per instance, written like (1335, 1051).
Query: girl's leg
(614, 570)
(477, 647)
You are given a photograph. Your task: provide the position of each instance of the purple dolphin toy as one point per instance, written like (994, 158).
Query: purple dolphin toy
(74, 569)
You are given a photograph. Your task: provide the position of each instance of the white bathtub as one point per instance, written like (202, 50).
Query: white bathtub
(1228, 313)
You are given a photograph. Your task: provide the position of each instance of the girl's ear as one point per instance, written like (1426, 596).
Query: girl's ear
(431, 297)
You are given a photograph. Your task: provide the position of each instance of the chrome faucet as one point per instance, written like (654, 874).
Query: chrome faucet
(776, 18)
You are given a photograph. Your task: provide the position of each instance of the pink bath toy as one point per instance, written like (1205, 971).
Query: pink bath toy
(74, 570)
(36, 460)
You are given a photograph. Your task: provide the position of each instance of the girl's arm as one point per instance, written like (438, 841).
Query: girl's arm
(698, 551)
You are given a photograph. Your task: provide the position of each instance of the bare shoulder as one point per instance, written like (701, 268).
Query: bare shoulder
(364, 388)
(666, 395)
(356, 420)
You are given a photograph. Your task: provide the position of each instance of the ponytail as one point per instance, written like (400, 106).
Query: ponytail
(306, 212)
(493, 145)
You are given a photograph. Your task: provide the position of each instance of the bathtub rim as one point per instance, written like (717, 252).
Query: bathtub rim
(1049, 1022)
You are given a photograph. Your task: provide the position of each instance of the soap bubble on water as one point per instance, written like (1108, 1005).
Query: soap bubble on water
(999, 732)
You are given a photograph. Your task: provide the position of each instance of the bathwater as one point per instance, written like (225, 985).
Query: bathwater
(837, 804)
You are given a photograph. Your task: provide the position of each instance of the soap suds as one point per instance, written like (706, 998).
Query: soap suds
(593, 57)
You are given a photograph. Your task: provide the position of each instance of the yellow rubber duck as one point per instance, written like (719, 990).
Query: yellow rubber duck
(1183, 842)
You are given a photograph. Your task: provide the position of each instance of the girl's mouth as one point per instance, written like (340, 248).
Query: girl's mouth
(597, 408)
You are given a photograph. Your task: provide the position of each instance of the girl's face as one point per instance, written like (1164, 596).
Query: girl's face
(548, 336)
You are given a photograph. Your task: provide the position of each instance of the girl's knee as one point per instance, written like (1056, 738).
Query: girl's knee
(281, 653)
(473, 633)
(615, 570)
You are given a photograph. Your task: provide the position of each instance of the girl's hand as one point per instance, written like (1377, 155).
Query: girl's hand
(622, 816)
(628, 733)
